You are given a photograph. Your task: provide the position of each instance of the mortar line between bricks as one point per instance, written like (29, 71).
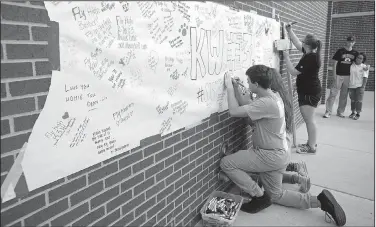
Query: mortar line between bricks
(9, 80)
(343, 192)
(21, 114)
(15, 134)
(24, 42)
(25, 96)
(11, 126)
(23, 5)
(6, 60)
(36, 102)
(7, 91)
(4, 52)
(30, 34)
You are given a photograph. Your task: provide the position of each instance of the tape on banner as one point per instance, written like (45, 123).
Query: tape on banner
(53, 45)
(7, 189)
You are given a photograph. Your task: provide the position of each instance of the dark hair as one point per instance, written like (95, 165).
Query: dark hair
(277, 85)
(364, 57)
(313, 43)
(260, 74)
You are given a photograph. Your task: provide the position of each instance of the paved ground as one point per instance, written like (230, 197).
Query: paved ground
(344, 165)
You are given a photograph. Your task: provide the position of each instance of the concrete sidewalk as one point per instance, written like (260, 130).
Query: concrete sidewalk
(344, 164)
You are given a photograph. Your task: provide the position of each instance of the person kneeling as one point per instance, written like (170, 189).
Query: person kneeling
(270, 154)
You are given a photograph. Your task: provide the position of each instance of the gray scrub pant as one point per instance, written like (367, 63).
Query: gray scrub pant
(271, 165)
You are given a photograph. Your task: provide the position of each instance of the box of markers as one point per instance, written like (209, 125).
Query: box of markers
(221, 209)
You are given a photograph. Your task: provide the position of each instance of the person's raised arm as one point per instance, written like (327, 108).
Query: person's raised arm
(294, 38)
(290, 67)
(235, 110)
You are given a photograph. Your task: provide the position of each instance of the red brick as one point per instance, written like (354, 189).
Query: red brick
(165, 173)
(188, 167)
(17, 106)
(188, 133)
(181, 163)
(39, 33)
(130, 205)
(172, 140)
(142, 164)
(145, 206)
(163, 194)
(139, 221)
(132, 182)
(163, 213)
(47, 213)
(67, 189)
(180, 145)
(18, 13)
(150, 222)
(102, 172)
(188, 150)
(116, 178)
(181, 198)
(173, 178)
(174, 195)
(16, 70)
(144, 185)
(71, 215)
(26, 87)
(108, 219)
(153, 149)
(156, 208)
(5, 127)
(135, 157)
(3, 90)
(165, 153)
(155, 190)
(104, 197)
(26, 51)
(43, 68)
(39, 3)
(195, 138)
(182, 181)
(172, 159)
(119, 200)
(81, 172)
(90, 218)
(22, 209)
(86, 193)
(188, 201)
(14, 142)
(25, 122)
(154, 169)
(14, 32)
(125, 220)
(6, 163)
(41, 101)
(150, 140)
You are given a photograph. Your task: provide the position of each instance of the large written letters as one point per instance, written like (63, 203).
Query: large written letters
(130, 70)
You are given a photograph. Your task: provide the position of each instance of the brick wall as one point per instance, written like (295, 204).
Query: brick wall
(165, 180)
(362, 27)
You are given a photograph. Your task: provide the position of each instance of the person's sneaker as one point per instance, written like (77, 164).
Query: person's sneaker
(340, 115)
(356, 117)
(305, 184)
(306, 150)
(352, 115)
(331, 206)
(326, 115)
(257, 204)
(299, 167)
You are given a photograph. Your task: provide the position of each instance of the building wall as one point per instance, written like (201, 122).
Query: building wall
(361, 26)
(166, 180)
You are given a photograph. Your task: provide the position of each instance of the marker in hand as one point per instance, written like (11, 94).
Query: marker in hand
(290, 24)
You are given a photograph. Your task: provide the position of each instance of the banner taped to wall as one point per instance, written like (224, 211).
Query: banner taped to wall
(130, 70)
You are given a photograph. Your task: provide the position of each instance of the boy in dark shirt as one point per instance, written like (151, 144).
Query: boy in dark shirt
(343, 59)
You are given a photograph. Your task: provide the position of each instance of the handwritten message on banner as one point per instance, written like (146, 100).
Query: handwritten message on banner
(130, 70)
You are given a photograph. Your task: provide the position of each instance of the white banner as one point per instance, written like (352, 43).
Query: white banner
(130, 70)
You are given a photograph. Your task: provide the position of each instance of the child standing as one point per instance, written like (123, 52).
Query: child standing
(358, 80)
